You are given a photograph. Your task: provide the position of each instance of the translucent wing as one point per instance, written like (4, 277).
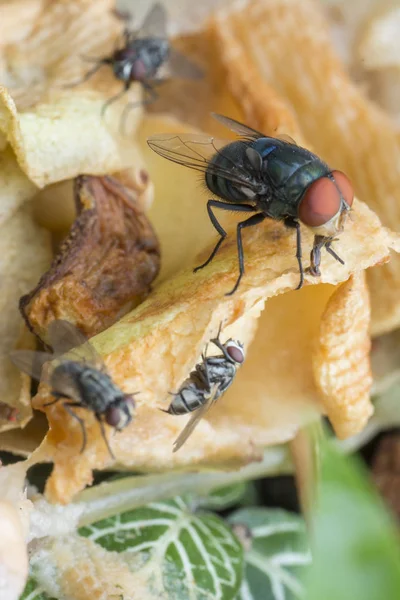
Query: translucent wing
(194, 419)
(286, 138)
(31, 363)
(180, 66)
(64, 336)
(154, 24)
(238, 128)
(197, 152)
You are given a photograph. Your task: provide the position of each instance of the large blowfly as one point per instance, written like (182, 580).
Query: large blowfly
(265, 177)
(205, 384)
(141, 57)
(78, 380)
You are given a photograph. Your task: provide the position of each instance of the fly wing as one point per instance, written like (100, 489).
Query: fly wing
(31, 363)
(286, 138)
(64, 337)
(154, 24)
(197, 151)
(239, 128)
(182, 67)
(194, 420)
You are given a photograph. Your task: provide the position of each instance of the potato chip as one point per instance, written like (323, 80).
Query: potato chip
(341, 125)
(153, 348)
(15, 187)
(50, 56)
(65, 116)
(341, 359)
(13, 552)
(25, 253)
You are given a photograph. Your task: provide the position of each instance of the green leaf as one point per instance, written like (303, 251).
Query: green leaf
(356, 543)
(33, 591)
(184, 556)
(278, 554)
(223, 498)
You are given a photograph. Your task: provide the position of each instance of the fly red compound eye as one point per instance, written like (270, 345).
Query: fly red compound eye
(113, 416)
(320, 203)
(344, 185)
(235, 352)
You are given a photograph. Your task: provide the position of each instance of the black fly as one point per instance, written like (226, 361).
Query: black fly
(209, 380)
(76, 381)
(140, 58)
(265, 177)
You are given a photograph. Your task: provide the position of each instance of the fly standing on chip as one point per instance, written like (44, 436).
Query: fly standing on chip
(205, 384)
(78, 382)
(268, 178)
(140, 58)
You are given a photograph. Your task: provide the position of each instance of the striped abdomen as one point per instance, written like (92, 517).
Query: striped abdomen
(189, 398)
(225, 161)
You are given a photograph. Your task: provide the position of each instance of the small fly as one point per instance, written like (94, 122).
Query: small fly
(76, 381)
(270, 178)
(140, 58)
(209, 380)
(8, 413)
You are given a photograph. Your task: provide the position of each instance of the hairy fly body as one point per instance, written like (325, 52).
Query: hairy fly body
(140, 58)
(265, 177)
(205, 384)
(78, 381)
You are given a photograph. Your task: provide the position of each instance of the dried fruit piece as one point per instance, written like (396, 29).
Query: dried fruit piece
(106, 264)
(25, 250)
(341, 359)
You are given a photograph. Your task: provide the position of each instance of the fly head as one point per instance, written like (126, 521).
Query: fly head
(120, 413)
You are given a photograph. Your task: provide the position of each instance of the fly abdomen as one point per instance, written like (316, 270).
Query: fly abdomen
(188, 399)
(227, 160)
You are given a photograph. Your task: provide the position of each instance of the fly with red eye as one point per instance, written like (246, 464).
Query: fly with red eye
(205, 384)
(265, 177)
(78, 380)
(144, 56)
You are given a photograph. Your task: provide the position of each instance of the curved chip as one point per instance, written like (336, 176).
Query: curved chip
(341, 359)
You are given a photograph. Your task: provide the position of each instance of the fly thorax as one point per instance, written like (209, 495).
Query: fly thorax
(153, 52)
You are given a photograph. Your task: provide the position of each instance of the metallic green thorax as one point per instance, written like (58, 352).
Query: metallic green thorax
(286, 172)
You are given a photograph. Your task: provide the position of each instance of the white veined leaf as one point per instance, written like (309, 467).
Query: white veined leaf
(184, 556)
(222, 498)
(277, 555)
(33, 591)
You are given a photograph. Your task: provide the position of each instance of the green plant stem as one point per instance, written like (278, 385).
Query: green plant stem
(114, 497)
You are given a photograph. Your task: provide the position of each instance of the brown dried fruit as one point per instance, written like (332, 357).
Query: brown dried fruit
(106, 264)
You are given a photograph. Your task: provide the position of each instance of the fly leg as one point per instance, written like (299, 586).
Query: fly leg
(218, 226)
(99, 63)
(67, 406)
(217, 342)
(150, 96)
(57, 398)
(113, 99)
(250, 222)
(293, 224)
(331, 251)
(315, 256)
(103, 435)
